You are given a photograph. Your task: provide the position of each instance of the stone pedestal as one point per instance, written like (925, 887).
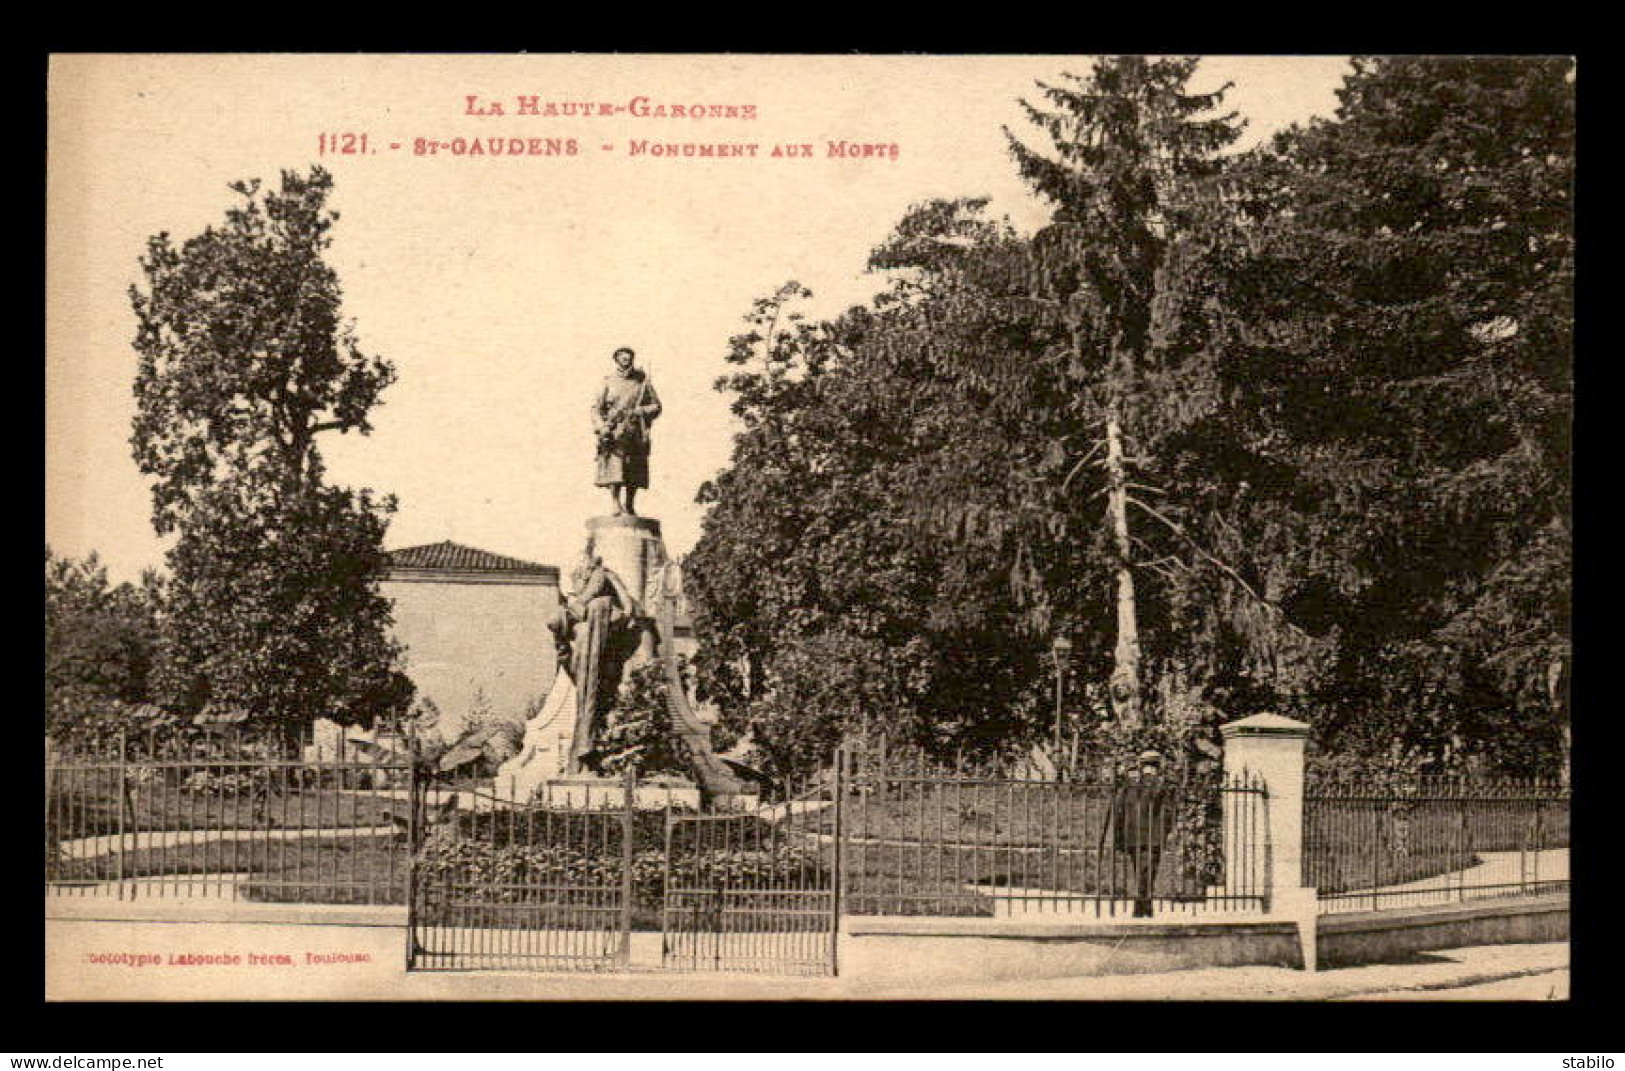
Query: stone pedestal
(589, 793)
(631, 548)
(545, 751)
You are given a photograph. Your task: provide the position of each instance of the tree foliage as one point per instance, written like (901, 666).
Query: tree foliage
(1403, 337)
(244, 362)
(817, 600)
(919, 482)
(1116, 292)
(100, 641)
(244, 359)
(1340, 370)
(638, 730)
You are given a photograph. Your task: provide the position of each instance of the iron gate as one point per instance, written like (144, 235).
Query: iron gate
(543, 883)
(586, 876)
(757, 890)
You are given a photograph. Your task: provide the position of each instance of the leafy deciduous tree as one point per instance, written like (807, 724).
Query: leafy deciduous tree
(1403, 332)
(1321, 389)
(99, 640)
(244, 362)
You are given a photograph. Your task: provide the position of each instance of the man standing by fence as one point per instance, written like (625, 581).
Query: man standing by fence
(1139, 819)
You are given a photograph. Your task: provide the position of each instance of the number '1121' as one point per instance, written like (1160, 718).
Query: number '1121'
(341, 145)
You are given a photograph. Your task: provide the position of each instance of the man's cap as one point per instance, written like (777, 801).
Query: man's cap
(1150, 756)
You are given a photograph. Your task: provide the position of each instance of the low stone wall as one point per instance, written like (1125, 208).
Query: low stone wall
(1383, 936)
(887, 949)
(911, 950)
(183, 909)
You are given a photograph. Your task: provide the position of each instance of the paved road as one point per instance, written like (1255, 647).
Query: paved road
(1544, 985)
(1445, 975)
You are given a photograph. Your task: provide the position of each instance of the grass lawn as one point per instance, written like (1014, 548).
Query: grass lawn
(915, 846)
(600, 910)
(990, 815)
(924, 879)
(1357, 844)
(372, 870)
(92, 809)
(365, 870)
(911, 849)
(923, 848)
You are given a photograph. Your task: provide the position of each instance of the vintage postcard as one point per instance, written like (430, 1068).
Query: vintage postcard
(808, 527)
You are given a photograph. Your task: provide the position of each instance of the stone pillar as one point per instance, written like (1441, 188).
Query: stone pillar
(630, 547)
(1270, 748)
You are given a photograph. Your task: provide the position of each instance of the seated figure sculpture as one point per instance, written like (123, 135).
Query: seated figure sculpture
(603, 634)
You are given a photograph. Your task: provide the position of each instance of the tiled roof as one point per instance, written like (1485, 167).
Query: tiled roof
(449, 555)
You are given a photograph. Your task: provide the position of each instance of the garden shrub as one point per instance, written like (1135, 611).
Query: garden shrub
(532, 873)
(230, 784)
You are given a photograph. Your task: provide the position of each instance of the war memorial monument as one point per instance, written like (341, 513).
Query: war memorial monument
(617, 612)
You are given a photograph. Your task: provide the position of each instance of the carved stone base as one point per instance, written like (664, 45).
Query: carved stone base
(588, 793)
(632, 549)
(545, 751)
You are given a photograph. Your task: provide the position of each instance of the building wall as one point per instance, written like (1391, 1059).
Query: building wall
(466, 635)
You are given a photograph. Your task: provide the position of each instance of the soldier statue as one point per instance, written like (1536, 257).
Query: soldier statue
(622, 411)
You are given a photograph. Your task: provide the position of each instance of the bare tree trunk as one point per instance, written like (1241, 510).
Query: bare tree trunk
(1125, 682)
(1557, 696)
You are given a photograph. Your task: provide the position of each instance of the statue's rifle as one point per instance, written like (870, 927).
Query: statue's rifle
(632, 411)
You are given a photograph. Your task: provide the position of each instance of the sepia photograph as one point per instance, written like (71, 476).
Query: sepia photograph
(692, 527)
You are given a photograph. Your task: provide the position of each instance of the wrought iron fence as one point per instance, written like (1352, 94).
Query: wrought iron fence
(563, 877)
(930, 838)
(227, 817)
(1371, 844)
(545, 879)
(604, 875)
(755, 887)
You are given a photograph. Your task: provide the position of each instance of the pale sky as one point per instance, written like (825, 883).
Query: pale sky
(499, 286)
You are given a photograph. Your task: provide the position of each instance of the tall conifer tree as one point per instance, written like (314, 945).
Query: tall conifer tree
(1132, 153)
